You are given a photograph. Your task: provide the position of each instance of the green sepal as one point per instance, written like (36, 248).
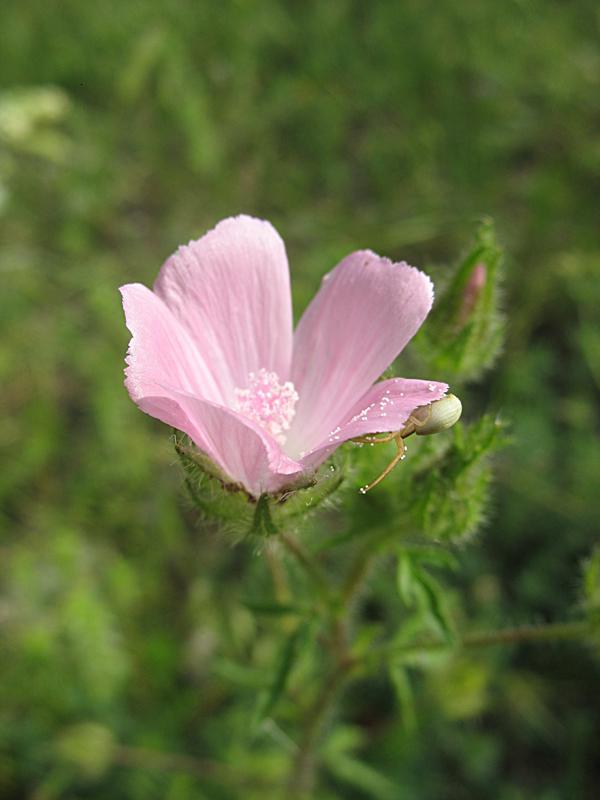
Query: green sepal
(214, 496)
(301, 500)
(262, 521)
(218, 499)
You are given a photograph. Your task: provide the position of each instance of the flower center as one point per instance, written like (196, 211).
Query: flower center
(268, 402)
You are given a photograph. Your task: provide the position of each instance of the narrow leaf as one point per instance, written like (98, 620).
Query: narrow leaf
(283, 667)
(432, 595)
(404, 695)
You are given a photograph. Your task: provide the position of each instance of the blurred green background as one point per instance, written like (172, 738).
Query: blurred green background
(127, 128)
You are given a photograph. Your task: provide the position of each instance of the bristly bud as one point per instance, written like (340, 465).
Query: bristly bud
(472, 292)
(464, 333)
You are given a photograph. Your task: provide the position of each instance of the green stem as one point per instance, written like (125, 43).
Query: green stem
(312, 570)
(557, 631)
(302, 777)
(362, 564)
(278, 576)
(359, 569)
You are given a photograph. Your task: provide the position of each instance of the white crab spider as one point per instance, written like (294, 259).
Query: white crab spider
(425, 420)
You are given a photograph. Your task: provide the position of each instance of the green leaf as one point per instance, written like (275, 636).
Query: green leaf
(437, 556)
(419, 588)
(361, 776)
(239, 674)
(404, 694)
(434, 603)
(591, 581)
(405, 579)
(286, 659)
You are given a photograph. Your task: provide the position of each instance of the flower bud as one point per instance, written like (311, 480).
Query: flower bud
(472, 292)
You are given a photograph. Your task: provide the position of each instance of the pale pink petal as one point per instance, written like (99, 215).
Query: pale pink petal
(246, 453)
(231, 291)
(161, 350)
(384, 408)
(367, 310)
(165, 376)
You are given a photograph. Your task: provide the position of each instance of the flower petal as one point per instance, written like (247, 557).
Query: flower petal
(246, 453)
(231, 291)
(367, 310)
(161, 351)
(384, 408)
(165, 377)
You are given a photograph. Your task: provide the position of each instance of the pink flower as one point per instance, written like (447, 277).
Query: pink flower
(214, 355)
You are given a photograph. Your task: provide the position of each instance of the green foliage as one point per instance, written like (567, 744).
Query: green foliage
(591, 589)
(449, 499)
(418, 587)
(89, 747)
(346, 767)
(286, 659)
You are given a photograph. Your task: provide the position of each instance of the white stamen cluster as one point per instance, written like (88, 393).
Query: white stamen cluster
(268, 402)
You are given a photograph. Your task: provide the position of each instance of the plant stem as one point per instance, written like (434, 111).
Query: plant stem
(278, 576)
(359, 570)
(303, 773)
(310, 567)
(302, 777)
(557, 631)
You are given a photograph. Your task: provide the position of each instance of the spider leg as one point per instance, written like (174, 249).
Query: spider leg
(397, 458)
(371, 438)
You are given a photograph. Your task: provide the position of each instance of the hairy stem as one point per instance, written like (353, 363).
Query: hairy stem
(310, 567)
(557, 631)
(338, 610)
(358, 572)
(278, 576)
(303, 773)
